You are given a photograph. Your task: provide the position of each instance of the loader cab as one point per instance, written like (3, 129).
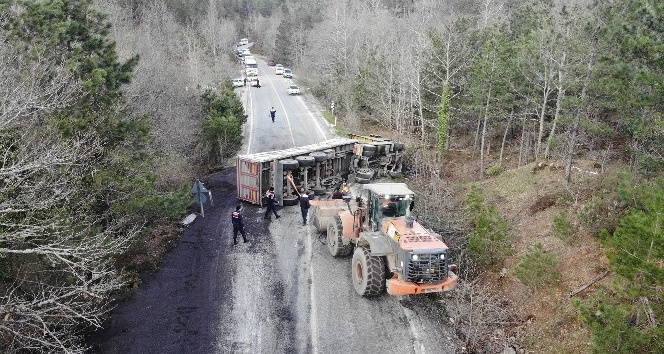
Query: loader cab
(388, 202)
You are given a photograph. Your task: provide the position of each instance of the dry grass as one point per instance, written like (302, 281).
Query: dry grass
(545, 320)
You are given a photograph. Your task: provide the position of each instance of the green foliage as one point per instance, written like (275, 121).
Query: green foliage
(627, 320)
(475, 200)
(222, 125)
(490, 241)
(618, 324)
(537, 268)
(495, 170)
(443, 117)
(562, 228)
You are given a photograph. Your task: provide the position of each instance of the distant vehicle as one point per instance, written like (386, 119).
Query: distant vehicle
(252, 77)
(293, 90)
(250, 62)
(288, 73)
(251, 71)
(246, 52)
(238, 82)
(279, 70)
(271, 62)
(243, 41)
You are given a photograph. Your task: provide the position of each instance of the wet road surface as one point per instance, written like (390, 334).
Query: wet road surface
(281, 292)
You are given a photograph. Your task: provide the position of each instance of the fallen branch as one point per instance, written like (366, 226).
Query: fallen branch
(584, 287)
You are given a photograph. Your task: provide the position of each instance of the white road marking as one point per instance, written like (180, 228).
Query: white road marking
(418, 346)
(313, 118)
(313, 321)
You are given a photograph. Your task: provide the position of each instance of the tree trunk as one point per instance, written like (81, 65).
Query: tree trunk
(486, 118)
(523, 137)
(577, 117)
(502, 145)
(559, 100)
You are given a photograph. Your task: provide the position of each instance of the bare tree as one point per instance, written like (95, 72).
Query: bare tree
(59, 258)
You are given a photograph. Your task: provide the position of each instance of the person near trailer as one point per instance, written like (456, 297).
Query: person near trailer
(258, 83)
(270, 203)
(238, 224)
(304, 206)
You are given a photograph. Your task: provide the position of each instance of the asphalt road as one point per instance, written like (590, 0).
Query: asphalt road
(281, 292)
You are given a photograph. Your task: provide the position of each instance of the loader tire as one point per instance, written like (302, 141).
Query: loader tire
(334, 243)
(367, 272)
(289, 165)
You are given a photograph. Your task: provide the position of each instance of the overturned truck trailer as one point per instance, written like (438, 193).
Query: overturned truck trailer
(318, 167)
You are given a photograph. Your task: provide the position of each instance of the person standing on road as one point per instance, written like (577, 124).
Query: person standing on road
(238, 224)
(258, 83)
(245, 82)
(269, 201)
(304, 206)
(273, 113)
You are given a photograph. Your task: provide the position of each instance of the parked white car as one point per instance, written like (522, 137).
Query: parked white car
(238, 82)
(279, 70)
(293, 90)
(288, 73)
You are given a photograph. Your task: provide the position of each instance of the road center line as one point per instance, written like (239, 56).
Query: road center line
(313, 320)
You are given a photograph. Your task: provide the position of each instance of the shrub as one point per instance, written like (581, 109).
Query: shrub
(537, 268)
(475, 200)
(494, 170)
(562, 228)
(597, 215)
(490, 242)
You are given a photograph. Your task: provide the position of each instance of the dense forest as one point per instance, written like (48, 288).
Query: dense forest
(110, 109)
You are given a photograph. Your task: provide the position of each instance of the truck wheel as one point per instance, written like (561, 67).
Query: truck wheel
(368, 273)
(319, 156)
(334, 243)
(289, 165)
(290, 201)
(306, 161)
(365, 174)
(369, 150)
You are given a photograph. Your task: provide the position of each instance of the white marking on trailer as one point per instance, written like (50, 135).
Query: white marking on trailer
(313, 118)
(251, 120)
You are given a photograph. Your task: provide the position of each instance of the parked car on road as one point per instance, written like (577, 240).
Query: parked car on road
(271, 62)
(288, 73)
(293, 90)
(279, 69)
(238, 82)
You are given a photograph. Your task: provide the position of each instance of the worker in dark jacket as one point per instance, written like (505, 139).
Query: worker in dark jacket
(269, 201)
(304, 206)
(238, 224)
